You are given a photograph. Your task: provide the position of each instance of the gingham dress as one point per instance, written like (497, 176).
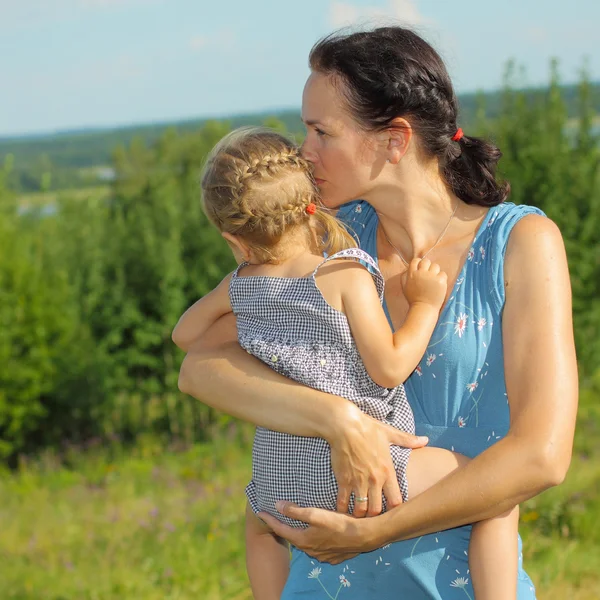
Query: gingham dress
(286, 323)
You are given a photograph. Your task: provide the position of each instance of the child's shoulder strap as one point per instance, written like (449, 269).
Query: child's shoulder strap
(365, 259)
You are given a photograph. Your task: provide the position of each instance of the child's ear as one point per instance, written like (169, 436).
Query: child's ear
(240, 249)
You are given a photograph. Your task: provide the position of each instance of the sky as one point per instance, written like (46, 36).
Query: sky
(69, 64)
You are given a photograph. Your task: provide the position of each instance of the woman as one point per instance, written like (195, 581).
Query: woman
(499, 380)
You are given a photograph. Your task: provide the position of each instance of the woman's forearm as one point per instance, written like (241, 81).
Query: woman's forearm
(505, 475)
(221, 374)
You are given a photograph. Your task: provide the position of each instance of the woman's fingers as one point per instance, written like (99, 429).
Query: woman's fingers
(330, 537)
(343, 498)
(361, 503)
(292, 534)
(392, 493)
(424, 264)
(406, 440)
(374, 505)
(363, 466)
(313, 516)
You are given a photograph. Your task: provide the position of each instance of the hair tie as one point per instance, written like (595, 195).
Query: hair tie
(311, 209)
(458, 135)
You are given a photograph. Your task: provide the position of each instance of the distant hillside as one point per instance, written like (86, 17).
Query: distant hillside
(67, 154)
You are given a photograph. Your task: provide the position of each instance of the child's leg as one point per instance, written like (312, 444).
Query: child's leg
(493, 551)
(493, 556)
(267, 559)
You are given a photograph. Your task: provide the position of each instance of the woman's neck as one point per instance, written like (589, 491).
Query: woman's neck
(414, 223)
(415, 206)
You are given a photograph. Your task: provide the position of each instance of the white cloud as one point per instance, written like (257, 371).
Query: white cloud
(342, 14)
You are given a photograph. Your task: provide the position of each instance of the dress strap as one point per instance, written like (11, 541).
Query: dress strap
(240, 266)
(234, 276)
(365, 259)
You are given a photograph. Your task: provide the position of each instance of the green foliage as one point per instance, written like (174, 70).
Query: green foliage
(91, 290)
(92, 283)
(553, 163)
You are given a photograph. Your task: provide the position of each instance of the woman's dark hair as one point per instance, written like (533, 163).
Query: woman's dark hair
(391, 72)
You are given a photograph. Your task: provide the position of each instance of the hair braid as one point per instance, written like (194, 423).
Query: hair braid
(256, 185)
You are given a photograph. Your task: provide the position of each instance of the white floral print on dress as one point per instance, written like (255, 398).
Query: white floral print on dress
(462, 583)
(461, 324)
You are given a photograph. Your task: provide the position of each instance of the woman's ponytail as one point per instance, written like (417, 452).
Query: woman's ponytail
(469, 168)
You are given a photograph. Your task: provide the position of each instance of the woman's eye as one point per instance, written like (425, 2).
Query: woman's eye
(319, 132)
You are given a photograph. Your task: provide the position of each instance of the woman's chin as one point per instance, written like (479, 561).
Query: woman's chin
(331, 201)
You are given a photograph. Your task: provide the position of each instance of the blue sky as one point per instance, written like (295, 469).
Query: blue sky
(78, 63)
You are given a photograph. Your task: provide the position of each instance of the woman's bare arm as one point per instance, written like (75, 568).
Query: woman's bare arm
(221, 374)
(541, 379)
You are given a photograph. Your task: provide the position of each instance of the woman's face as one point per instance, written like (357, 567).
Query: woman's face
(346, 159)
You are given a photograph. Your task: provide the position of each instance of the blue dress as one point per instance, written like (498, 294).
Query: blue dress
(458, 397)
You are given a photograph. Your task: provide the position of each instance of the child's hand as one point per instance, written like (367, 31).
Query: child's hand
(425, 282)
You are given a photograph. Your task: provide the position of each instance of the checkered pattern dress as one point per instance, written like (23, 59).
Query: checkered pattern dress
(286, 323)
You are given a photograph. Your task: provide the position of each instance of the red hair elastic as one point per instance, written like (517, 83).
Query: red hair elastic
(311, 209)
(458, 135)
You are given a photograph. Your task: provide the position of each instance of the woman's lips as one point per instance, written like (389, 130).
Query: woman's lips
(319, 181)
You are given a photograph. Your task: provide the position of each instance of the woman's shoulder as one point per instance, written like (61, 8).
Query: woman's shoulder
(505, 216)
(507, 223)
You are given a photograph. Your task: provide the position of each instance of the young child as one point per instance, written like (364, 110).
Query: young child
(321, 322)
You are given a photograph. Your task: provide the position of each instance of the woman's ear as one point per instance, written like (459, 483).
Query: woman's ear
(399, 134)
(240, 249)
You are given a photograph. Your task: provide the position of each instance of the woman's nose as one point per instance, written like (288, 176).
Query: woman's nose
(307, 153)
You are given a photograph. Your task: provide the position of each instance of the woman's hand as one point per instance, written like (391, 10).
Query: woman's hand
(331, 537)
(362, 464)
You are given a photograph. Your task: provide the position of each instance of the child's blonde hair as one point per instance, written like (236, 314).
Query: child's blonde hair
(255, 185)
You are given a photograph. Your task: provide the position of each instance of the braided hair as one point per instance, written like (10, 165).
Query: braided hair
(391, 72)
(255, 185)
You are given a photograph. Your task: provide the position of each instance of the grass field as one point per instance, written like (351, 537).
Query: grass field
(151, 523)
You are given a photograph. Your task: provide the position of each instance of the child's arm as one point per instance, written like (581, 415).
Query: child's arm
(267, 559)
(391, 357)
(197, 319)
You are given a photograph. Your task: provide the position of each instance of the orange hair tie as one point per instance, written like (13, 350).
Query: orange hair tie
(458, 135)
(311, 209)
